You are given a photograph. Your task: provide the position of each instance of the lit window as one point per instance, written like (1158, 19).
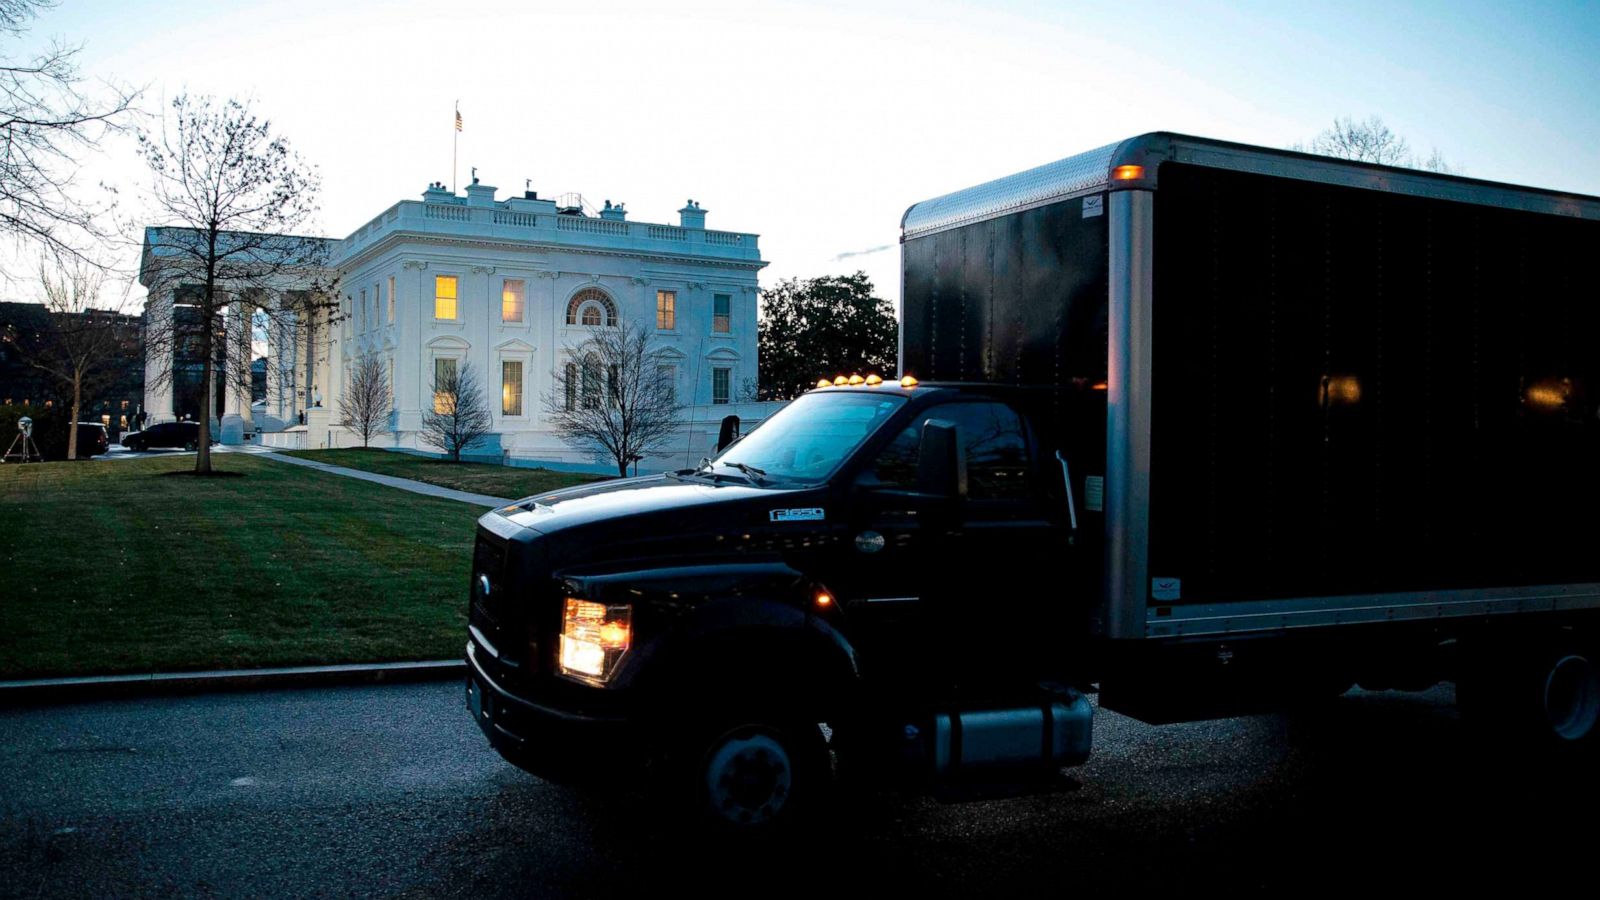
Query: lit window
(444, 382)
(510, 388)
(444, 297)
(105, 420)
(591, 316)
(721, 379)
(666, 310)
(513, 297)
(124, 404)
(391, 299)
(721, 305)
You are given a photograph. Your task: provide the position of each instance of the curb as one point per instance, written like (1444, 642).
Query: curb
(101, 687)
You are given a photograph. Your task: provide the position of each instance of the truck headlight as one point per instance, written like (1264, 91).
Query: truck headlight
(594, 637)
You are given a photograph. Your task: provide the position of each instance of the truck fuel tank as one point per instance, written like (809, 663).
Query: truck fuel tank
(1044, 736)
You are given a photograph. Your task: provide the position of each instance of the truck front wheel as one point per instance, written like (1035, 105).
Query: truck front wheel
(751, 774)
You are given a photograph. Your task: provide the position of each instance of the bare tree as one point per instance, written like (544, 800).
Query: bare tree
(367, 399)
(1372, 141)
(460, 414)
(80, 340)
(617, 395)
(233, 193)
(48, 121)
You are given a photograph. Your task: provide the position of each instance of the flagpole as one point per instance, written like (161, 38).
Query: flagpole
(455, 143)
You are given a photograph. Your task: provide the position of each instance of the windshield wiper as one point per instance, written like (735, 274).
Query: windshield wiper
(704, 468)
(754, 474)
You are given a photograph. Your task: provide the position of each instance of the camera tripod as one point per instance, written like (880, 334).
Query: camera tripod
(29, 451)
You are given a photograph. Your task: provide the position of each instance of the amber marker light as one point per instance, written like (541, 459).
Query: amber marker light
(824, 383)
(856, 379)
(841, 380)
(1128, 173)
(908, 382)
(824, 600)
(873, 381)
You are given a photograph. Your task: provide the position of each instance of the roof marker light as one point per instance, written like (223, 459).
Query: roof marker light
(1127, 173)
(841, 380)
(824, 383)
(873, 381)
(856, 379)
(908, 382)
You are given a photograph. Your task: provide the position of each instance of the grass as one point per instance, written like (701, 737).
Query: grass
(107, 567)
(479, 478)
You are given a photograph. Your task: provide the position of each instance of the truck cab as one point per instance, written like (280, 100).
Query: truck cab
(860, 561)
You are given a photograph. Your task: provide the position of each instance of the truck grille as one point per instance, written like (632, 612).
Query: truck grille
(488, 613)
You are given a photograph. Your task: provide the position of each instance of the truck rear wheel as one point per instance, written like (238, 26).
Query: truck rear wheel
(1548, 696)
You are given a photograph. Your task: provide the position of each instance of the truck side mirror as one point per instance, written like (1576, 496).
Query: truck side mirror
(941, 461)
(728, 432)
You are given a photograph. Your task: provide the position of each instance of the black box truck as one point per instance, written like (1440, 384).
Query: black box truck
(1200, 427)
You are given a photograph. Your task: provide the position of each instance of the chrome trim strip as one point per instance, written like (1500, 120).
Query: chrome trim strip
(893, 600)
(1066, 478)
(1304, 612)
(1127, 487)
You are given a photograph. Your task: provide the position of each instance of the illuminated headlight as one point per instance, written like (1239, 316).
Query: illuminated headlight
(594, 637)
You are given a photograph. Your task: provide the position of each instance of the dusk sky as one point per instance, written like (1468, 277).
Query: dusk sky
(816, 124)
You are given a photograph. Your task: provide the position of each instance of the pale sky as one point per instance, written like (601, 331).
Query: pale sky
(815, 124)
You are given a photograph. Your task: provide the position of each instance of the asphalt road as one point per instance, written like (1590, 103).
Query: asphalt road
(391, 791)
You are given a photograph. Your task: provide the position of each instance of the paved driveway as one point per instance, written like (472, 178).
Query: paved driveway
(391, 791)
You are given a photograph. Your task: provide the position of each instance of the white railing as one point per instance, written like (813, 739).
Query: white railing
(446, 212)
(666, 233)
(591, 226)
(521, 220)
(724, 237)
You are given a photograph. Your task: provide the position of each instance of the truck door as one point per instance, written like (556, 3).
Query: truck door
(965, 593)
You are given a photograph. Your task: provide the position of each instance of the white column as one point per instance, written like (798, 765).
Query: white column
(158, 358)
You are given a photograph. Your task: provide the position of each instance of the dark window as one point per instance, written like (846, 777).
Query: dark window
(997, 451)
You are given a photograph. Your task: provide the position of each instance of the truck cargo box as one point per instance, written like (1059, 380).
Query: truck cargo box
(1294, 391)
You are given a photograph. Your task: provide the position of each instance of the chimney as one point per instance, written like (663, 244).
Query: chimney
(613, 213)
(479, 194)
(437, 193)
(692, 216)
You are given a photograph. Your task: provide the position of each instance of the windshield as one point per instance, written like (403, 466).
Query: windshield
(809, 438)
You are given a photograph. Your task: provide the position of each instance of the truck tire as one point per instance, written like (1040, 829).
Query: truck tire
(749, 774)
(1545, 698)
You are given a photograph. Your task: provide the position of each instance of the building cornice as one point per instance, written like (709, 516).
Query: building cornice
(396, 238)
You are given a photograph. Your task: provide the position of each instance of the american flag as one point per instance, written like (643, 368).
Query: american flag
(458, 120)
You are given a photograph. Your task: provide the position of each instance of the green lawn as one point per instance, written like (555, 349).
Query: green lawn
(479, 478)
(115, 567)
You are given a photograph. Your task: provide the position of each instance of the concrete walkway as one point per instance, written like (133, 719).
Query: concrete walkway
(404, 484)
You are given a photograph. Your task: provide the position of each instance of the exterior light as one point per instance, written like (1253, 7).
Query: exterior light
(1548, 394)
(873, 381)
(824, 383)
(1100, 385)
(908, 382)
(1340, 390)
(594, 637)
(1127, 173)
(841, 380)
(824, 600)
(856, 379)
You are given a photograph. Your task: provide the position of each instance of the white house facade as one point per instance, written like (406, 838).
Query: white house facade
(514, 287)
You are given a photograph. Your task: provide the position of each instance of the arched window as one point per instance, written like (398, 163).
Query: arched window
(592, 307)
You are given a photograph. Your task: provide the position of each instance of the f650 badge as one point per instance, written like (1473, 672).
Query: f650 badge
(814, 514)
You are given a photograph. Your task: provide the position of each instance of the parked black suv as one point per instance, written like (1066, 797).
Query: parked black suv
(185, 435)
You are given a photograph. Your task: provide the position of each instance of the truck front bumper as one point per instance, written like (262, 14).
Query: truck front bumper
(552, 743)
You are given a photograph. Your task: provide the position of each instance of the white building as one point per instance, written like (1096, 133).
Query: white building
(512, 287)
